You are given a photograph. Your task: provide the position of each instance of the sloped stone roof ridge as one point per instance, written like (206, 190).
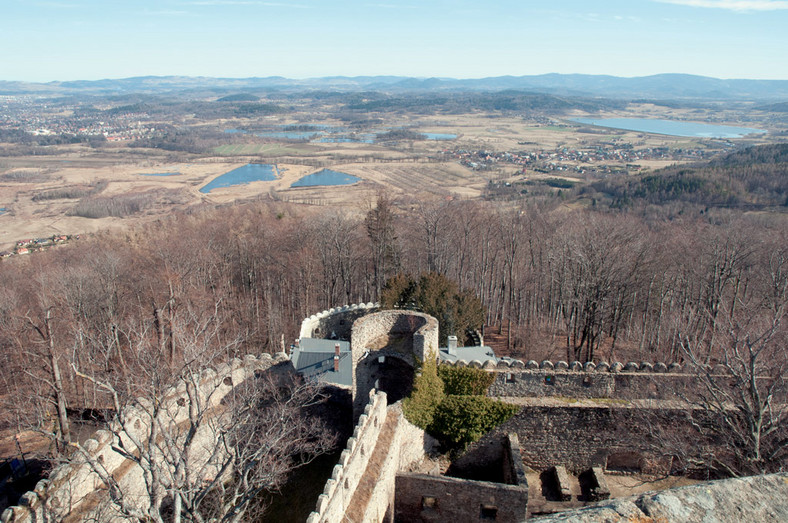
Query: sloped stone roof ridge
(755, 498)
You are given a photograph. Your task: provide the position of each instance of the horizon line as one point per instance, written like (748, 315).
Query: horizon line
(307, 78)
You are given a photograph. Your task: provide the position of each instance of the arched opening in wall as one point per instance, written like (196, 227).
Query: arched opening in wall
(388, 374)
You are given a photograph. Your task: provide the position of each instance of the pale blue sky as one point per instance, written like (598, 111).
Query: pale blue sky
(93, 39)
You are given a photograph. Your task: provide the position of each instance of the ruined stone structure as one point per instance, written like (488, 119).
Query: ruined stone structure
(337, 321)
(74, 491)
(385, 346)
(370, 482)
(361, 487)
(377, 339)
(574, 416)
(609, 430)
(556, 428)
(421, 497)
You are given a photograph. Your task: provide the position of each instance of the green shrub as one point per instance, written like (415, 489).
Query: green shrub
(427, 394)
(465, 381)
(461, 420)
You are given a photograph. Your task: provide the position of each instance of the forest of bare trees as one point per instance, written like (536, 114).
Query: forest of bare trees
(576, 285)
(121, 314)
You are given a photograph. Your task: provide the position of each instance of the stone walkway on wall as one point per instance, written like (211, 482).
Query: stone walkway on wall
(366, 486)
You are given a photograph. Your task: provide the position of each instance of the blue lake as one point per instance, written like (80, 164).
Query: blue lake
(160, 174)
(3, 210)
(252, 172)
(671, 127)
(326, 177)
(439, 136)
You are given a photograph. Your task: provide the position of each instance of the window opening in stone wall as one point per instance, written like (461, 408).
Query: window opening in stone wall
(588, 381)
(429, 502)
(549, 380)
(488, 512)
(510, 377)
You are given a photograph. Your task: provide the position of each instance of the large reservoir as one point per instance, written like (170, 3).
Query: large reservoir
(671, 127)
(252, 172)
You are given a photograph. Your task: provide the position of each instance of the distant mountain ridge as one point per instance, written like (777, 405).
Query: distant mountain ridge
(665, 86)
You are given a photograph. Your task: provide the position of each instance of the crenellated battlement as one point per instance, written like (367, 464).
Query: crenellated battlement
(75, 488)
(576, 366)
(338, 490)
(338, 320)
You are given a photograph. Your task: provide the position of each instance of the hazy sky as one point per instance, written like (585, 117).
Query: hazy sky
(93, 39)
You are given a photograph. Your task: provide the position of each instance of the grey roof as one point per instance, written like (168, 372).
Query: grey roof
(479, 353)
(314, 357)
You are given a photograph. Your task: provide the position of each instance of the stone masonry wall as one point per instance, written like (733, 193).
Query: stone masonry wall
(578, 437)
(338, 320)
(438, 498)
(72, 487)
(657, 381)
(582, 384)
(417, 336)
(339, 489)
(408, 445)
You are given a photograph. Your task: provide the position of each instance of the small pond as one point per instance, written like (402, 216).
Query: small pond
(439, 136)
(326, 177)
(252, 172)
(160, 174)
(3, 210)
(671, 127)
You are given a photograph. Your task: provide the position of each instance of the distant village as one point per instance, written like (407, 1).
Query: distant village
(580, 161)
(37, 244)
(30, 115)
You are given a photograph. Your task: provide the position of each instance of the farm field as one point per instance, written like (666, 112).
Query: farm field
(76, 189)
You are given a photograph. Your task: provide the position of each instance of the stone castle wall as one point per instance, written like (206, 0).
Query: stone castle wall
(338, 320)
(340, 487)
(623, 381)
(412, 337)
(74, 489)
(408, 445)
(423, 497)
(439, 498)
(580, 437)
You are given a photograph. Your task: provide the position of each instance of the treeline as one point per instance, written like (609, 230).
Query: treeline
(578, 285)
(752, 177)
(20, 137)
(463, 102)
(71, 192)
